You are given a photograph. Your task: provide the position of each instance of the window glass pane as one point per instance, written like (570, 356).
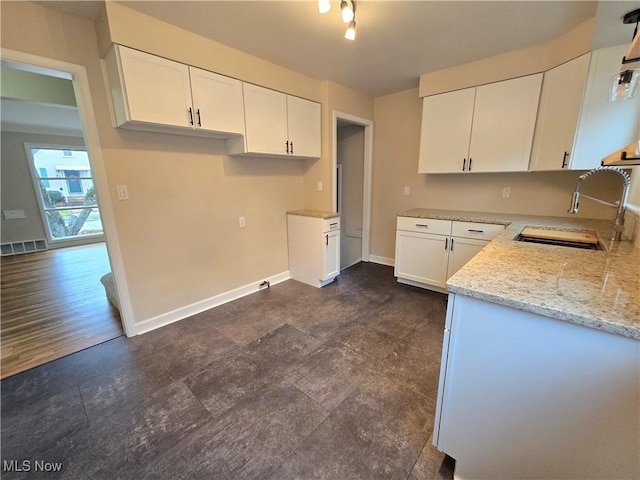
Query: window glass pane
(75, 222)
(56, 193)
(55, 162)
(43, 173)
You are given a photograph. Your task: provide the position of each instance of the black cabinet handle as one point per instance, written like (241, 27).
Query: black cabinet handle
(199, 122)
(475, 231)
(564, 159)
(287, 143)
(464, 164)
(446, 243)
(326, 240)
(452, 244)
(422, 225)
(190, 115)
(291, 148)
(470, 160)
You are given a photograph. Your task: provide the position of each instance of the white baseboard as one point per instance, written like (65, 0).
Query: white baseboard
(382, 260)
(206, 304)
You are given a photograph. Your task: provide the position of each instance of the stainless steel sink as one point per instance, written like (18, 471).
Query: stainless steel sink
(562, 238)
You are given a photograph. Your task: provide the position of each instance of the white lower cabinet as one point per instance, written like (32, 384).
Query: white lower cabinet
(430, 251)
(314, 248)
(534, 389)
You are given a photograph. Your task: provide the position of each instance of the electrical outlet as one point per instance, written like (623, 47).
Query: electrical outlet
(319, 185)
(407, 190)
(506, 192)
(123, 192)
(242, 222)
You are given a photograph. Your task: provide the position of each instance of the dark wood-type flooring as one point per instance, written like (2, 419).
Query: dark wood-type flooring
(53, 304)
(292, 382)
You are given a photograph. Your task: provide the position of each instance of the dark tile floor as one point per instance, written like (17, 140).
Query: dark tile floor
(292, 382)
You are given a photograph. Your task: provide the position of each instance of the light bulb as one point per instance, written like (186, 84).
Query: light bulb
(324, 6)
(624, 85)
(347, 11)
(350, 34)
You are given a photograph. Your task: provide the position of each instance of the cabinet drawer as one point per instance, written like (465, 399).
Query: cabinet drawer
(329, 224)
(426, 225)
(482, 231)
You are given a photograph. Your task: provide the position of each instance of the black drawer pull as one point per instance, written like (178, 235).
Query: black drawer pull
(332, 224)
(422, 225)
(475, 231)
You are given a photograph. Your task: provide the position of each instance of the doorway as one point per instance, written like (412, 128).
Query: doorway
(352, 160)
(77, 180)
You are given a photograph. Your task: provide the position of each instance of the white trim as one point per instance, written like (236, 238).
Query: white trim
(391, 262)
(368, 166)
(206, 304)
(92, 143)
(633, 208)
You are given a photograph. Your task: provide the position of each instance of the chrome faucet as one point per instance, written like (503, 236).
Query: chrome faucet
(618, 221)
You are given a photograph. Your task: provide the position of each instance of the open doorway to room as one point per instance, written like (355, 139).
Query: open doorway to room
(352, 161)
(54, 254)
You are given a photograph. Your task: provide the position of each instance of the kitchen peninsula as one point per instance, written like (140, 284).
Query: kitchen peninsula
(540, 371)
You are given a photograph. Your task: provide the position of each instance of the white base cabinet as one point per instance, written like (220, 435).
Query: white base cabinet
(314, 249)
(430, 251)
(526, 396)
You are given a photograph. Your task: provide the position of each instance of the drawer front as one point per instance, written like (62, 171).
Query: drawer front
(330, 224)
(425, 225)
(482, 231)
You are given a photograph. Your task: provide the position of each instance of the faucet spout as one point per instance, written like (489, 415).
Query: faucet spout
(620, 205)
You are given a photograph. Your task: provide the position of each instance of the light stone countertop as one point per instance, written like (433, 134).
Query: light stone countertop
(313, 213)
(597, 289)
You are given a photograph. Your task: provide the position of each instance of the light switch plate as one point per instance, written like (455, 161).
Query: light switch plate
(319, 185)
(407, 190)
(123, 192)
(506, 192)
(242, 222)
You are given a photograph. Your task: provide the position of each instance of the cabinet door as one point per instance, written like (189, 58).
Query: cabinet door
(331, 255)
(422, 257)
(503, 123)
(461, 250)
(560, 102)
(157, 90)
(266, 120)
(303, 127)
(604, 126)
(217, 101)
(445, 131)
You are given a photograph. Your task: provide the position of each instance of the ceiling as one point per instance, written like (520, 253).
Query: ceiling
(396, 42)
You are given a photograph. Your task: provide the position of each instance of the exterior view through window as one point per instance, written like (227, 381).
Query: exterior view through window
(64, 184)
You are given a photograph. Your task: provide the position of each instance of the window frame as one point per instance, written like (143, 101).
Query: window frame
(36, 178)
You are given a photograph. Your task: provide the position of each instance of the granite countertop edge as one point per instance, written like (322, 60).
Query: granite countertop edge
(596, 289)
(313, 213)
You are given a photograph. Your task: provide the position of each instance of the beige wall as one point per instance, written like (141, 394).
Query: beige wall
(517, 63)
(350, 150)
(179, 232)
(395, 152)
(17, 187)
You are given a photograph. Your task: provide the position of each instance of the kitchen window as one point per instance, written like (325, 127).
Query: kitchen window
(66, 195)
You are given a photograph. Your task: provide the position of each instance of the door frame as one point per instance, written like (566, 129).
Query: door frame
(368, 165)
(80, 79)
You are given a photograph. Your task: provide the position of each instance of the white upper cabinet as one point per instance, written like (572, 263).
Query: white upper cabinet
(278, 124)
(481, 129)
(604, 126)
(217, 101)
(446, 131)
(560, 102)
(266, 120)
(304, 127)
(153, 93)
(504, 120)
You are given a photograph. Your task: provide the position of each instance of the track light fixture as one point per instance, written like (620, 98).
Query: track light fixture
(324, 6)
(348, 13)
